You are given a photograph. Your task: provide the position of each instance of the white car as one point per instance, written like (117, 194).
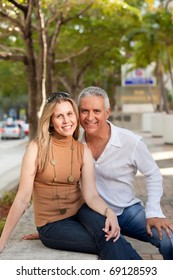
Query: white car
(25, 127)
(12, 130)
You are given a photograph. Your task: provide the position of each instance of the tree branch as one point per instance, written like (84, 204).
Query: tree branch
(55, 34)
(59, 21)
(11, 49)
(19, 6)
(29, 14)
(64, 83)
(68, 58)
(78, 14)
(84, 68)
(14, 21)
(14, 57)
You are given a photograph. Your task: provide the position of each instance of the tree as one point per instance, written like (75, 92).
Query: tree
(100, 35)
(35, 44)
(12, 88)
(37, 33)
(153, 42)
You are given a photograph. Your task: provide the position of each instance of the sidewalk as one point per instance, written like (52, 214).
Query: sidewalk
(11, 152)
(33, 249)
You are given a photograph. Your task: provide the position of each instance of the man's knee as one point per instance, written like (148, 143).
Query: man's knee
(166, 242)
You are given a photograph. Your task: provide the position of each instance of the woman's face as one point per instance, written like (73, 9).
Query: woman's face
(64, 119)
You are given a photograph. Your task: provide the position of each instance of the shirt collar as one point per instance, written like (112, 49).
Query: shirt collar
(114, 138)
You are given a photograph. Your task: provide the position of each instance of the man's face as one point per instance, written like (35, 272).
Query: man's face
(93, 114)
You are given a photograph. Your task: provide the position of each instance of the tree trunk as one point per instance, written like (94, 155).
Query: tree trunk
(169, 65)
(42, 59)
(39, 52)
(32, 74)
(163, 93)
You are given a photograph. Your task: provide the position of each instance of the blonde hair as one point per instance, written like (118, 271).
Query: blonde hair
(45, 130)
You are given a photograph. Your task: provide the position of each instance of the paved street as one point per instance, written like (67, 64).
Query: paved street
(11, 153)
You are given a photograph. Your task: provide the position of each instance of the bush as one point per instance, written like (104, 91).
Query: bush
(5, 202)
(7, 198)
(2, 223)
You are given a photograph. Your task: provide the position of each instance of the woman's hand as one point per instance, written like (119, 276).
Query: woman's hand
(112, 229)
(31, 236)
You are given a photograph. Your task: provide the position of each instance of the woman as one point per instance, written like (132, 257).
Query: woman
(52, 166)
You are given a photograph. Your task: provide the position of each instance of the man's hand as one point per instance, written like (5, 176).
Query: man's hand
(159, 224)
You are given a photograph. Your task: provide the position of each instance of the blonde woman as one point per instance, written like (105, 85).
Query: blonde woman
(52, 166)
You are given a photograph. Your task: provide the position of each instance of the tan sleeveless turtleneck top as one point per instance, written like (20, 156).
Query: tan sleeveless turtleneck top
(49, 196)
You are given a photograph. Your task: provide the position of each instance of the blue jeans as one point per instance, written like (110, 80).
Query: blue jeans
(83, 233)
(133, 224)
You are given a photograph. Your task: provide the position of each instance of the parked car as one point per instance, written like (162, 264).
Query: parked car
(12, 130)
(1, 124)
(25, 127)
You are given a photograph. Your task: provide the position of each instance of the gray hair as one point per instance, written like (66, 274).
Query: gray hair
(95, 91)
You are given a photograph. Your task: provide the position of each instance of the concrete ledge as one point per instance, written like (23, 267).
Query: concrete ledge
(18, 249)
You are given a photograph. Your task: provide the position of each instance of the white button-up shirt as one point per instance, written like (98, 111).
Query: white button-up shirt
(115, 170)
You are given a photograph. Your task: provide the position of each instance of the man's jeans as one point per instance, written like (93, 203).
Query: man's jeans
(83, 233)
(133, 224)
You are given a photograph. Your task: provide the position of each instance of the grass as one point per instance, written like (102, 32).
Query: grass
(5, 203)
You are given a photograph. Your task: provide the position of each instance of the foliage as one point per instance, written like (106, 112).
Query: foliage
(13, 85)
(5, 202)
(70, 44)
(12, 79)
(7, 198)
(100, 29)
(2, 223)
(153, 42)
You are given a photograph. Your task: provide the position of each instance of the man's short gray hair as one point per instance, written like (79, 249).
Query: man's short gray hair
(95, 91)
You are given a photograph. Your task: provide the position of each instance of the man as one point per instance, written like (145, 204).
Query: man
(118, 155)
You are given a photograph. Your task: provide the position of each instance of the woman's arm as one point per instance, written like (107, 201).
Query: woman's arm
(93, 199)
(23, 196)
